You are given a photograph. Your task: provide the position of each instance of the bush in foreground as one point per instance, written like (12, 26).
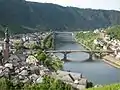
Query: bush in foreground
(47, 84)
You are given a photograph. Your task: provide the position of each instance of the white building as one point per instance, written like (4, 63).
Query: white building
(96, 31)
(1, 47)
(118, 55)
(106, 38)
(96, 42)
(104, 47)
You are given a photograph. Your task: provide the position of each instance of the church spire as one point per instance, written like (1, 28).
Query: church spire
(6, 35)
(6, 45)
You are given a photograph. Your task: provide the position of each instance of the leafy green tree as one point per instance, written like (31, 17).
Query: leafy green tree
(41, 56)
(35, 47)
(53, 63)
(18, 46)
(48, 44)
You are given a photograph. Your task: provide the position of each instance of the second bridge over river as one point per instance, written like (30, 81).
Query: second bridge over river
(91, 52)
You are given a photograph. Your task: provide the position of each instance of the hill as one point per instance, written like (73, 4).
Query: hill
(50, 16)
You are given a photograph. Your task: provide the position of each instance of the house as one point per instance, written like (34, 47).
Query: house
(104, 47)
(1, 47)
(118, 55)
(29, 44)
(107, 38)
(96, 42)
(74, 79)
(112, 48)
(32, 60)
(96, 31)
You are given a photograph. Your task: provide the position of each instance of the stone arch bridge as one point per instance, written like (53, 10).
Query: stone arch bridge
(91, 52)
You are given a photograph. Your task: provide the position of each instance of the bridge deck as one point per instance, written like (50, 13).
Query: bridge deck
(87, 51)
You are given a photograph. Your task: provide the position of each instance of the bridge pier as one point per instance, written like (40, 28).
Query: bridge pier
(90, 56)
(65, 56)
(98, 55)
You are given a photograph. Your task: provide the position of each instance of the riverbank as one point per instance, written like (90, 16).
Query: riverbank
(107, 59)
(111, 61)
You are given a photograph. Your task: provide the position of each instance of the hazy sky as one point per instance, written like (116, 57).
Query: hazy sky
(95, 4)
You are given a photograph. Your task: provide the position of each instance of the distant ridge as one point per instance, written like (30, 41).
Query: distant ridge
(50, 16)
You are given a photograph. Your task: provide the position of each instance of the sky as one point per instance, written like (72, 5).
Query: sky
(94, 4)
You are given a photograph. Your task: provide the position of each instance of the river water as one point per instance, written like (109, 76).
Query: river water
(95, 70)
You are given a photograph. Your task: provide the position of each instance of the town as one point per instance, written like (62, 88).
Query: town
(24, 57)
(23, 60)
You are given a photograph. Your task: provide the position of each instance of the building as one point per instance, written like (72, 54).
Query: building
(6, 45)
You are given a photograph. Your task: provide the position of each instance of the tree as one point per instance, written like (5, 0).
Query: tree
(48, 44)
(18, 46)
(41, 57)
(35, 47)
(53, 63)
(49, 83)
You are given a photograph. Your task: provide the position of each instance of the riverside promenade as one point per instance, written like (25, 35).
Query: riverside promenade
(111, 61)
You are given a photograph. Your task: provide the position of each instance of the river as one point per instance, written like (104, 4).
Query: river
(96, 70)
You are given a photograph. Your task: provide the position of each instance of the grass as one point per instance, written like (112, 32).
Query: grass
(107, 87)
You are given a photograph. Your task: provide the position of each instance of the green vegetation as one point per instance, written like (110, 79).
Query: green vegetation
(41, 56)
(34, 46)
(87, 38)
(47, 43)
(53, 63)
(114, 32)
(107, 87)
(48, 83)
(18, 46)
(48, 61)
(44, 16)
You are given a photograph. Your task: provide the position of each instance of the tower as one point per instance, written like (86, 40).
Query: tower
(6, 45)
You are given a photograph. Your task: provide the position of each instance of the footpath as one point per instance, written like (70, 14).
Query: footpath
(111, 61)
